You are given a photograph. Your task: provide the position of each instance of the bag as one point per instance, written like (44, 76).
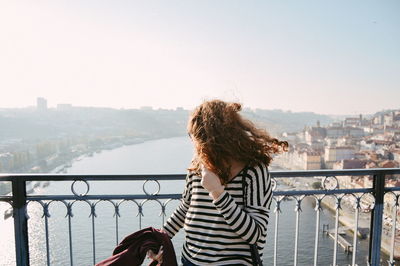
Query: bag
(255, 256)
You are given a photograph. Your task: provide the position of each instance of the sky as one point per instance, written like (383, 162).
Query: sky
(328, 57)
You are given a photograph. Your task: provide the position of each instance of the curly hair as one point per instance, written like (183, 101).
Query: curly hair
(221, 135)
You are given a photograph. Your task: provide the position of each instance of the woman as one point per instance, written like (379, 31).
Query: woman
(226, 202)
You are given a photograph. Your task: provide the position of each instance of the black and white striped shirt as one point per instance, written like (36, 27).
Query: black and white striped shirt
(218, 232)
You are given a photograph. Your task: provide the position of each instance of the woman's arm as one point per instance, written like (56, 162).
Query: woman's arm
(177, 219)
(251, 224)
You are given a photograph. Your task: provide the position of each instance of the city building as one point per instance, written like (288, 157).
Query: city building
(337, 153)
(396, 155)
(352, 121)
(350, 164)
(317, 133)
(41, 104)
(310, 160)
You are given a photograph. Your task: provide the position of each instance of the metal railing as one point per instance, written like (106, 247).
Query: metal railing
(370, 198)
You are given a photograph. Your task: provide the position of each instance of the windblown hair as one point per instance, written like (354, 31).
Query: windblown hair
(221, 135)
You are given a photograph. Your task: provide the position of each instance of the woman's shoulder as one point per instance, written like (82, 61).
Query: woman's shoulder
(257, 168)
(192, 175)
(257, 172)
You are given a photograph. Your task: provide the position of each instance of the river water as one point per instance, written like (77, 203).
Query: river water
(165, 156)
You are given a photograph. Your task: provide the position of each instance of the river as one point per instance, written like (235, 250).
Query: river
(164, 156)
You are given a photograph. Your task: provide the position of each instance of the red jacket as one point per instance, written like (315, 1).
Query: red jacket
(133, 249)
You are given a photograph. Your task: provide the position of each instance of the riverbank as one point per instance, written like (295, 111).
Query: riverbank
(59, 163)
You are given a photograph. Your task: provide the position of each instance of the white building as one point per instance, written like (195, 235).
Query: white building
(310, 160)
(334, 154)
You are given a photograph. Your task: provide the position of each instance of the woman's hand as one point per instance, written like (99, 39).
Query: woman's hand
(158, 257)
(211, 182)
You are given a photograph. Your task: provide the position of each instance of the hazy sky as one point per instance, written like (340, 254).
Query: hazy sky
(331, 57)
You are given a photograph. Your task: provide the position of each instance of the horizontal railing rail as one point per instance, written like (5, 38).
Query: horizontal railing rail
(276, 174)
(19, 200)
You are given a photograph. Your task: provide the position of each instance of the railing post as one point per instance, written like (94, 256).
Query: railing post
(376, 219)
(20, 222)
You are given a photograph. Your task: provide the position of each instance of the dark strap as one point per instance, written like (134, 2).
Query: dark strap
(255, 256)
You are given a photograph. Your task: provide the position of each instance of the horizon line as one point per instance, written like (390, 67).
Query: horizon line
(154, 108)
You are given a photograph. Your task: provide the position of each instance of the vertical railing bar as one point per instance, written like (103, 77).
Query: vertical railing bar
(47, 239)
(296, 237)
(276, 237)
(116, 229)
(70, 240)
(316, 237)
(379, 187)
(93, 239)
(336, 236)
(140, 217)
(394, 217)
(20, 222)
(163, 213)
(353, 263)
(371, 229)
